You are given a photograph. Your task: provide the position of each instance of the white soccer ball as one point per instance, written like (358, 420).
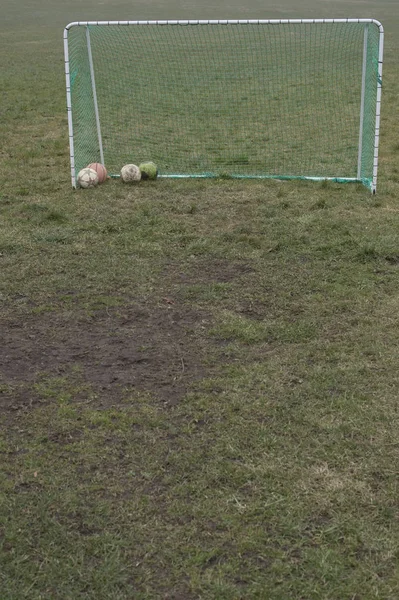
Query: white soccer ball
(130, 173)
(87, 178)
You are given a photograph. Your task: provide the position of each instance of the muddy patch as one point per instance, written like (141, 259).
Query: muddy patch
(159, 349)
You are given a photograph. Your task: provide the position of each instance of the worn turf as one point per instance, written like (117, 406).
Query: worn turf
(198, 394)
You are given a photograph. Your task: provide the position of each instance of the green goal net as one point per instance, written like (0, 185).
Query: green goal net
(282, 99)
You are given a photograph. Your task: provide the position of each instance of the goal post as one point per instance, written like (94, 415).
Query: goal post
(284, 99)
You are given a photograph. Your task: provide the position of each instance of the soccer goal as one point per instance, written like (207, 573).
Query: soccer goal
(285, 99)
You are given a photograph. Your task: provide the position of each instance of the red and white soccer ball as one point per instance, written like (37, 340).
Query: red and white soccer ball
(100, 170)
(88, 178)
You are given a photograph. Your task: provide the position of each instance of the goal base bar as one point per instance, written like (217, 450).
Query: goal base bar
(367, 183)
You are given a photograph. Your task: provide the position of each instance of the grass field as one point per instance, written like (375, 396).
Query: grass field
(199, 379)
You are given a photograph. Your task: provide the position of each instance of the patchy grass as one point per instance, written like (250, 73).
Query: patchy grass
(198, 393)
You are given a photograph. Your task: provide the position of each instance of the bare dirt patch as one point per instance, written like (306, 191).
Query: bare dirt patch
(212, 271)
(157, 349)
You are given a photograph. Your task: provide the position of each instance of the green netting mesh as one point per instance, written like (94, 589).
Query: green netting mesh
(232, 99)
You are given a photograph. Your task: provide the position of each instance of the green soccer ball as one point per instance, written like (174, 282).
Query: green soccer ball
(148, 170)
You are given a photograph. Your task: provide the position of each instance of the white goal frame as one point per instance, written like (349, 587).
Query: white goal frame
(273, 22)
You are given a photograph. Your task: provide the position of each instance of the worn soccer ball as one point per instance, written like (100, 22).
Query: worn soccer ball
(148, 170)
(130, 174)
(100, 170)
(87, 178)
